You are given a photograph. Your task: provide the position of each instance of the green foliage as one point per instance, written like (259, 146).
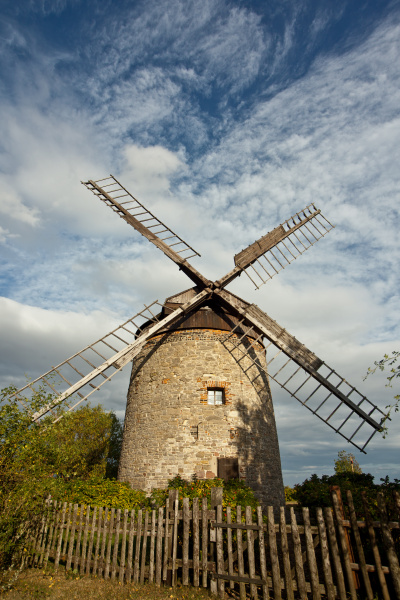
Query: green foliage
(98, 491)
(35, 460)
(290, 494)
(388, 361)
(84, 443)
(346, 463)
(235, 492)
(315, 491)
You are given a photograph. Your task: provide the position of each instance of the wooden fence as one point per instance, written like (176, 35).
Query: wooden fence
(287, 553)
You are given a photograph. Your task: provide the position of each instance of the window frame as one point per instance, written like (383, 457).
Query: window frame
(214, 391)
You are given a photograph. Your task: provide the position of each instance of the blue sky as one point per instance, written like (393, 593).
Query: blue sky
(224, 118)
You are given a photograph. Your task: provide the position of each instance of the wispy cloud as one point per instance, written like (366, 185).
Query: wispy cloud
(203, 113)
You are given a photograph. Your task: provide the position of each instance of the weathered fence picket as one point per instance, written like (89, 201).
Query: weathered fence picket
(295, 554)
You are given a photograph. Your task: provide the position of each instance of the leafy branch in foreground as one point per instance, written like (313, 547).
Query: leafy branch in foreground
(391, 362)
(37, 458)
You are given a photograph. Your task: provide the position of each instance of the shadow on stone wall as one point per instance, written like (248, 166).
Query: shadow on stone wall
(257, 440)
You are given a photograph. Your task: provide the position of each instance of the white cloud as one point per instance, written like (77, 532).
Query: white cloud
(330, 138)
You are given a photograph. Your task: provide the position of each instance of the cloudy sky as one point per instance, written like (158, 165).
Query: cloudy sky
(224, 118)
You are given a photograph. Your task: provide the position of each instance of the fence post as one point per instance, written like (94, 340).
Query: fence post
(216, 497)
(389, 545)
(216, 500)
(344, 543)
(360, 551)
(335, 489)
(375, 549)
(173, 495)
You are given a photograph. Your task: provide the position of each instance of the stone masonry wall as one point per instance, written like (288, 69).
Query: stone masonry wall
(170, 429)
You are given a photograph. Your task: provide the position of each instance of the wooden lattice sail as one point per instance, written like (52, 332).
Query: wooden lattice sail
(242, 331)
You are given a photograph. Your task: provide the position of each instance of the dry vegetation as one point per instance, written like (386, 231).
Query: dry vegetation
(37, 584)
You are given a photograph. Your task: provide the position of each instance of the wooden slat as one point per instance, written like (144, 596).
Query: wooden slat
(129, 568)
(99, 530)
(67, 528)
(312, 563)
(137, 547)
(263, 564)
(273, 554)
(91, 540)
(84, 543)
(39, 542)
(72, 539)
(389, 545)
(229, 545)
(344, 547)
(335, 554)
(60, 537)
(375, 549)
(79, 537)
(204, 540)
(285, 555)
(52, 526)
(116, 544)
(102, 567)
(220, 555)
(242, 586)
(361, 557)
(152, 546)
(245, 258)
(250, 552)
(38, 560)
(123, 547)
(159, 546)
(175, 541)
(301, 580)
(196, 543)
(144, 547)
(167, 540)
(109, 545)
(57, 524)
(185, 545)
(336, 491)
(326, 564)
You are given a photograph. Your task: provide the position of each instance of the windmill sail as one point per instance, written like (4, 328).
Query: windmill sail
(269, 255)
(307, 378)
(120, 200)
(89, 369)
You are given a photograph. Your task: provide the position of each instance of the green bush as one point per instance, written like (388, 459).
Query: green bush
(98, 491)
(235, 492)
(315, 491)
(290, 494)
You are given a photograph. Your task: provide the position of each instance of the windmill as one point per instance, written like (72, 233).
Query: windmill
(199, 400)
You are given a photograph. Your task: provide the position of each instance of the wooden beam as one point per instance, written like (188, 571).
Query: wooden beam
(299, 353)
(126, 354)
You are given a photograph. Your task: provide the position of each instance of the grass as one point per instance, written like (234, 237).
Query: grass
(36, 584)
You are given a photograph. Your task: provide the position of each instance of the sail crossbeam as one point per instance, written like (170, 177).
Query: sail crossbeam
(272, 253)
(306, 378)
(74, 368)
(136, 210)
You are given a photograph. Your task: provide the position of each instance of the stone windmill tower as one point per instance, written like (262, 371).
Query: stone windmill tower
(199, 400)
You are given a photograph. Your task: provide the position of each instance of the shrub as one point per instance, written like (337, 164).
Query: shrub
(235, 492)
(98, 491)
(315, 491)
